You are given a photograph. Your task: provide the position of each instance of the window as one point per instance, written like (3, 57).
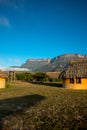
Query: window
(78, 80)
(71, 80)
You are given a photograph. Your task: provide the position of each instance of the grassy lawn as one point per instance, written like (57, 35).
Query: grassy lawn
(28, 106)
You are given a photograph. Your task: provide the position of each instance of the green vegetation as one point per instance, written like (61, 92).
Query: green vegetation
(9, 85)
(41, 77)
(27, 106)
(57, 80)
(36, 77)
(24, 76)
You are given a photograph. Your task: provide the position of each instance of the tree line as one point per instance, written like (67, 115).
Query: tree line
(35, 77)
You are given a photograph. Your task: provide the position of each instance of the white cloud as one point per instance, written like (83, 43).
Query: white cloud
(12, 64)
(14, 69)
(4, 22)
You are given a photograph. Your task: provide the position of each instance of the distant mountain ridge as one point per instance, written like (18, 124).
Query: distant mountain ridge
(51, 65)
(33, 64)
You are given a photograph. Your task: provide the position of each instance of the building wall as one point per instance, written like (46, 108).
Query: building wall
(2, 82)
(82, 85)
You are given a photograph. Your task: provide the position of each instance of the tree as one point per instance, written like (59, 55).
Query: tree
(41, 77)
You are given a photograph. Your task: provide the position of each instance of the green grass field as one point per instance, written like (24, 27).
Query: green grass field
(28, 106)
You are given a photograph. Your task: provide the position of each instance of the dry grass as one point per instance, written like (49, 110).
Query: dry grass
(28, 106)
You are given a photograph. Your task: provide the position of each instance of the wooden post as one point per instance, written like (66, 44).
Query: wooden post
(11, 76)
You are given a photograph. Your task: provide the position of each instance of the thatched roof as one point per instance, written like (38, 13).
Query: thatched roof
(2, 74)
(76, 68)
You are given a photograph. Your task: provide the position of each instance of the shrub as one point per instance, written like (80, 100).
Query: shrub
(9, 85)
(42, 77)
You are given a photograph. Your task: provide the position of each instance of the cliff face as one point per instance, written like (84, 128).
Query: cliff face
(34, 64)
(51, 65)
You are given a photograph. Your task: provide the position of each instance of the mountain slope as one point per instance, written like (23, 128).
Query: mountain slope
(51, 65)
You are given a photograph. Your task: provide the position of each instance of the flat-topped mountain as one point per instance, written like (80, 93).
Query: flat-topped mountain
(51, 65)
(33, 64)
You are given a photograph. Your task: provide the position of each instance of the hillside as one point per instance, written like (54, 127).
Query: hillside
(51, 65)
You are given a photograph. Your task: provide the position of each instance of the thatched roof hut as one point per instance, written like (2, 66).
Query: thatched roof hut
(2, 74)
(2, 79)
(76, 73)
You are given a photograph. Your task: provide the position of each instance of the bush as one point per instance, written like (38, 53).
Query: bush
(9, 85)
(57, 80)
(20, 76)
(24, 76)
(41, 77)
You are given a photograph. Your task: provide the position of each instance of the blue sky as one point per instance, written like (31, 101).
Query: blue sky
(41, 29)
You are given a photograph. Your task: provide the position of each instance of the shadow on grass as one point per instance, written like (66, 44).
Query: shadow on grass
(18, 104)
(51, 84)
